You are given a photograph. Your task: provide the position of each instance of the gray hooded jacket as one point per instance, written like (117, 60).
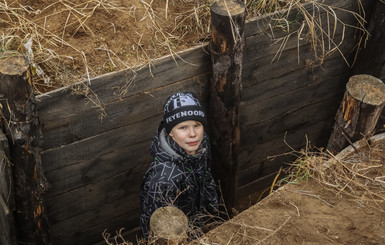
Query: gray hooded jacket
(176, 178)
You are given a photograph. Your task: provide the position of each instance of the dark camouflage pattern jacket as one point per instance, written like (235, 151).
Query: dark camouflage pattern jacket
(176, 178)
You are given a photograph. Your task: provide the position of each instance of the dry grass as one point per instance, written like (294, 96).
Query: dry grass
(26, 30)
(197, 226)
(359, 176)
(33, 38)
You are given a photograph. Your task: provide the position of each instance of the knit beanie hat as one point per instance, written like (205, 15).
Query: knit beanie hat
(181, 107)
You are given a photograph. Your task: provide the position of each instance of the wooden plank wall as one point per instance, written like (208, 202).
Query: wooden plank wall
(7, 205)
(289, 99)
(95, 166)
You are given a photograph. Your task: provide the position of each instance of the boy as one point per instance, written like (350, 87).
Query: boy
(180, 173)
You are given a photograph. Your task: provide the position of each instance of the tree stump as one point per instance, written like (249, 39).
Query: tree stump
(168, 225)
(21, 126)
(359, 111)
(226, 46)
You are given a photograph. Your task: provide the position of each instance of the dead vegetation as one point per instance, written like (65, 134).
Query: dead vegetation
(359, 176)
(322, 199)
(71, 41)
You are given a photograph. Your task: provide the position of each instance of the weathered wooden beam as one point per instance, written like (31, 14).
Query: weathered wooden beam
(7, 201)
(21, 125)
(227, 45)
(359, 111)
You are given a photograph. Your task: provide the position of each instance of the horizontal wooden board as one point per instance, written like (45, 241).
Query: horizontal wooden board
(99, 168)
(272, 161)
(284, 155)
(121, 113)
(77, 234)
(99, 145)
(250, 194)
(254, 153)
(301, 117)
(94, 178)
(148, 113)
(100, 204)
(293, 79)
(280, 108)
(184, 65)
(259, 66)
(79, 118)
(279, 105)
(118, 190)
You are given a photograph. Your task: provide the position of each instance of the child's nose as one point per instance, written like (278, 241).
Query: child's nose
(192, 132)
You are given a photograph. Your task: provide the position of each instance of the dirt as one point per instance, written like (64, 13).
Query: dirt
(74, 39)
(343, 203)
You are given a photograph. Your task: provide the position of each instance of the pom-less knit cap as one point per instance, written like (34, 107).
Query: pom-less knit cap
(181, 107)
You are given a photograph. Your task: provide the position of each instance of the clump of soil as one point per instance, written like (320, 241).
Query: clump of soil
(343, 202)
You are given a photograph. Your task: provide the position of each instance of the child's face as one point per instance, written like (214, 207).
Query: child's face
(188, 135)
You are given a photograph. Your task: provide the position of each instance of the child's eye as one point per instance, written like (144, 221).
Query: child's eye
(197, 125)
(182, 127)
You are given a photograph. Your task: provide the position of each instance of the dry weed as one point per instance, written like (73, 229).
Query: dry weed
(35, 39)
(359, 176)
(314, 22)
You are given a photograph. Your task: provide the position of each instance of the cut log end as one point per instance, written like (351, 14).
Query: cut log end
(359, 111)
(367, 89)
(11, 64)
(169, 223)
(228, 7)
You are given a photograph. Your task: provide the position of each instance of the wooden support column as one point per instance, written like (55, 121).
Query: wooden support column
(21, 126)
(7, 201)
(359, 111)
(227, 45)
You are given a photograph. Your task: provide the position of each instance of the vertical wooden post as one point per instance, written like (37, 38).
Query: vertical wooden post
(7, 201)
(21, 125)
(227, 45)
(359, 111)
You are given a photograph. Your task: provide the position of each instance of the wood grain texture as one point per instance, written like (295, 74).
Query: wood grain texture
(78, 113)
(225, 90)
(357, 116)
(21, 127)
(7, 202)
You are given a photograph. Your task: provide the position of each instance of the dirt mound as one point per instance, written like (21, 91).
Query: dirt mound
(341, 203)
(74, 40)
